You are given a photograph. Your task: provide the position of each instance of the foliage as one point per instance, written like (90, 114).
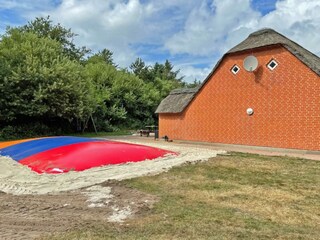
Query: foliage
(151, 73)
(105, 56)
(38, 80)
(24, 131)
(104, 134)
(44, 28)
(195, 83)
(44, 76)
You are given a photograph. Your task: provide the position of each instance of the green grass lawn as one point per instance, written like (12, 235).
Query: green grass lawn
(240, 196)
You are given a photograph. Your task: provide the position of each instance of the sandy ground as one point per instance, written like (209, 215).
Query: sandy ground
(17, 179)
(33, 216)
(32, 205)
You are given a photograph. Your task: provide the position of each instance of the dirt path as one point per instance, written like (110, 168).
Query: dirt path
(32, 216)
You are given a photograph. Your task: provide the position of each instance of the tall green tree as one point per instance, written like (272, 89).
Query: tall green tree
(102, 74)
(44, 75)
(165, 71)
(104, 56)
(159, 80)
(38, 80)
(45, 28)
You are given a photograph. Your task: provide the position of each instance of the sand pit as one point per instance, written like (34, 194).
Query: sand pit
(34, 205)
(18, 179)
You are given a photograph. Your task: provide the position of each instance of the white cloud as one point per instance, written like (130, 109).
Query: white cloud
(201, 30)
(26, 5)
(112, 24)
(298, 20)
(213, 29)
(208, 26)
(119, 25)
(217, 27)
(191, 73)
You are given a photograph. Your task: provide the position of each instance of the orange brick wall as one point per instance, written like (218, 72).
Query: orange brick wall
(286, 104)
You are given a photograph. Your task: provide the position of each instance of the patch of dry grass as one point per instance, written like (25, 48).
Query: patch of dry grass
(240, 196)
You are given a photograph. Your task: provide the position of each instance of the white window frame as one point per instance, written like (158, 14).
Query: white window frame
(235, 72)
(272, 61)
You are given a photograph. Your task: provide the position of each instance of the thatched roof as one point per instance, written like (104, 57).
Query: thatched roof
(268, 37)
(179, 99)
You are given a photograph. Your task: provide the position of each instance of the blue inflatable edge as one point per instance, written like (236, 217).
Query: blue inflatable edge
(23, 150)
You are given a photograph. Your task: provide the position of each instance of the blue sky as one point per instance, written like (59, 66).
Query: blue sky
(192, 34)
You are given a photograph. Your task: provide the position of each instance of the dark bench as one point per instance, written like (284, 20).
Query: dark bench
(144, 132)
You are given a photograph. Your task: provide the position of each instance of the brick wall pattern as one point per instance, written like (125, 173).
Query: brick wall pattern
(286, 104)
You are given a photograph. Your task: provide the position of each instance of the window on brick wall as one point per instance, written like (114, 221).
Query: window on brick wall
(272, 64)
(235, 69)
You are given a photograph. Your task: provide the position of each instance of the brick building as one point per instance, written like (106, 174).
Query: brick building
(276, 105)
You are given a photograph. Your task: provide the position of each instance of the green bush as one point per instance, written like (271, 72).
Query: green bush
(25, 131)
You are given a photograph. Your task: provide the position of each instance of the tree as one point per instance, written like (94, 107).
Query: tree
(141, 70)
(165, 71)
(195, 83)
(159, 80)
(38, 80)
(105, 56)
(138, 66)
(100, 75)
(44, 28)
(44, 76)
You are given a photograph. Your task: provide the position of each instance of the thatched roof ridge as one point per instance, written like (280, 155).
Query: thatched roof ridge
(184, 90)
(176, 102)
(267, 37)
